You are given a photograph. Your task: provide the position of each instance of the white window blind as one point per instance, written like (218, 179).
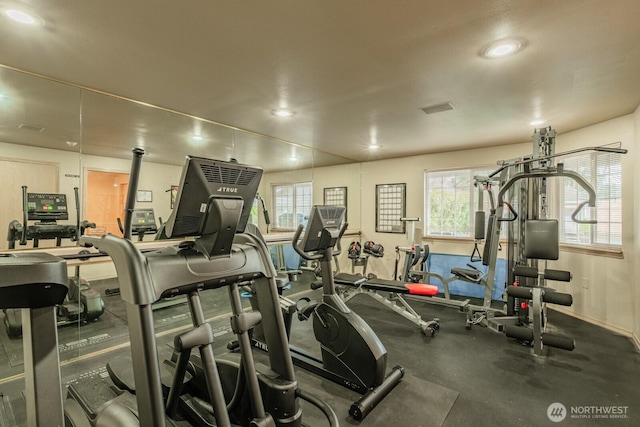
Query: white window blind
(604, 172)
(292, 204)
(451, 201)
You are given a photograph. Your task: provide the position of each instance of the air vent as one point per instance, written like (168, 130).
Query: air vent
(438, 108)
(31, 127)
(228, 176)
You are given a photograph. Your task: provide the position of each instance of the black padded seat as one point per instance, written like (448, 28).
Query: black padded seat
(467, 274)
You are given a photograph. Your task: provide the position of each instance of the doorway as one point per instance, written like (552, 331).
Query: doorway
(106, 196)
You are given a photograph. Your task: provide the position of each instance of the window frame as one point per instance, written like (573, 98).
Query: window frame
(473, 190)
(332, 196)
(558, 204)
(295, 213)
(393, 224)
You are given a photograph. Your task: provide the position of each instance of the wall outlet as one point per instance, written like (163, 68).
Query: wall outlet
(585, 282)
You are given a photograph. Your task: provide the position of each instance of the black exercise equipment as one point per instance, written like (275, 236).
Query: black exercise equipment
(82, 303)
(533, 297)
(354, 250)
(352, 354)
(213, 206)
(520, 205)
(395, 290)
(373, 248)
(143, 223)
(35, 283)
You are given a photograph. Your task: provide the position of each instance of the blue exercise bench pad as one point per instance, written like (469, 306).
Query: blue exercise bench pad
(443, 263)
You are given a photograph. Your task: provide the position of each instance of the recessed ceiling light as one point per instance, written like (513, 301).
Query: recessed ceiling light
(71, 143)
(23, 17)
(373, 146)
(537, 122)
(283, 112)
(502, 48)
(196, 137)
(293, 158)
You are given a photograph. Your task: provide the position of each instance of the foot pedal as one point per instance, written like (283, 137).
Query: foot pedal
(306, 307)
(91, 393)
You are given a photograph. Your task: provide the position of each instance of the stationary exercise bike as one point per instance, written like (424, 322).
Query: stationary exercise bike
(352, 354)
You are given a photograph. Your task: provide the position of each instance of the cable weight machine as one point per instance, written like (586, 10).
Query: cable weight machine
(521, 204)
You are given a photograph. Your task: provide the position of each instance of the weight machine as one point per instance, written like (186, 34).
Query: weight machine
(531, 237)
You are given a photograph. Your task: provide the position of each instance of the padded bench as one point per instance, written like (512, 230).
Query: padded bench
(468, 274)
(386, 285)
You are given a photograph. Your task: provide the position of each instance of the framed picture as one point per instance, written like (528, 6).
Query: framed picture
(174, 195)
(390, 207)
(336, 196)
(144, 196)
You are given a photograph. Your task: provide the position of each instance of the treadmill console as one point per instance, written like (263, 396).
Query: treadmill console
(47, 207)
(143, 220)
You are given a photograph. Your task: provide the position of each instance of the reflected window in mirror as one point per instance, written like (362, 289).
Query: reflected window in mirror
(336, 196)
(292, 204)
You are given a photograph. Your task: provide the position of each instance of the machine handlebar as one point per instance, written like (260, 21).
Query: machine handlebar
(574, 215)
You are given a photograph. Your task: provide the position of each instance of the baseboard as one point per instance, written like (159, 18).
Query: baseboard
(597, 322)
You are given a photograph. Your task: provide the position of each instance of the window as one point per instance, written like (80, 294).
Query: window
(292, 204)
(336, 196)
(451, 201)
(390, 207)
(604, 172)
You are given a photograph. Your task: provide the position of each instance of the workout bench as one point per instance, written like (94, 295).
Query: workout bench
(395, 289)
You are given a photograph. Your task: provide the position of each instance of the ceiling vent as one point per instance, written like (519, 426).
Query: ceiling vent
(31, 127)
(438, 108)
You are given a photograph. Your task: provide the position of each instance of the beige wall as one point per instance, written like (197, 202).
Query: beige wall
(603, 287)
(611, 297)
(635, 281)
(68, 166)
(410, 170)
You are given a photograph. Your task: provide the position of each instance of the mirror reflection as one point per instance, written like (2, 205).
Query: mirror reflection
(66, 160)
(40, 142)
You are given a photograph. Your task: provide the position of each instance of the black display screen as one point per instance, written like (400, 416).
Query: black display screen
(47, 207)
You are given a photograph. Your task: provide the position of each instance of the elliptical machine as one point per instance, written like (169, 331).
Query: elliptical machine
(213, 205)
(352, 354)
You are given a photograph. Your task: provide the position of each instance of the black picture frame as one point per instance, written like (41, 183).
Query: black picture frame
(336, 196)
(391, 205)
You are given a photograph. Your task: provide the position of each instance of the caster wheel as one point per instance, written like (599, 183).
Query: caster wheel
(436, 326)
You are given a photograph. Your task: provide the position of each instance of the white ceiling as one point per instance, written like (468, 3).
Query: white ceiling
(351, 70)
